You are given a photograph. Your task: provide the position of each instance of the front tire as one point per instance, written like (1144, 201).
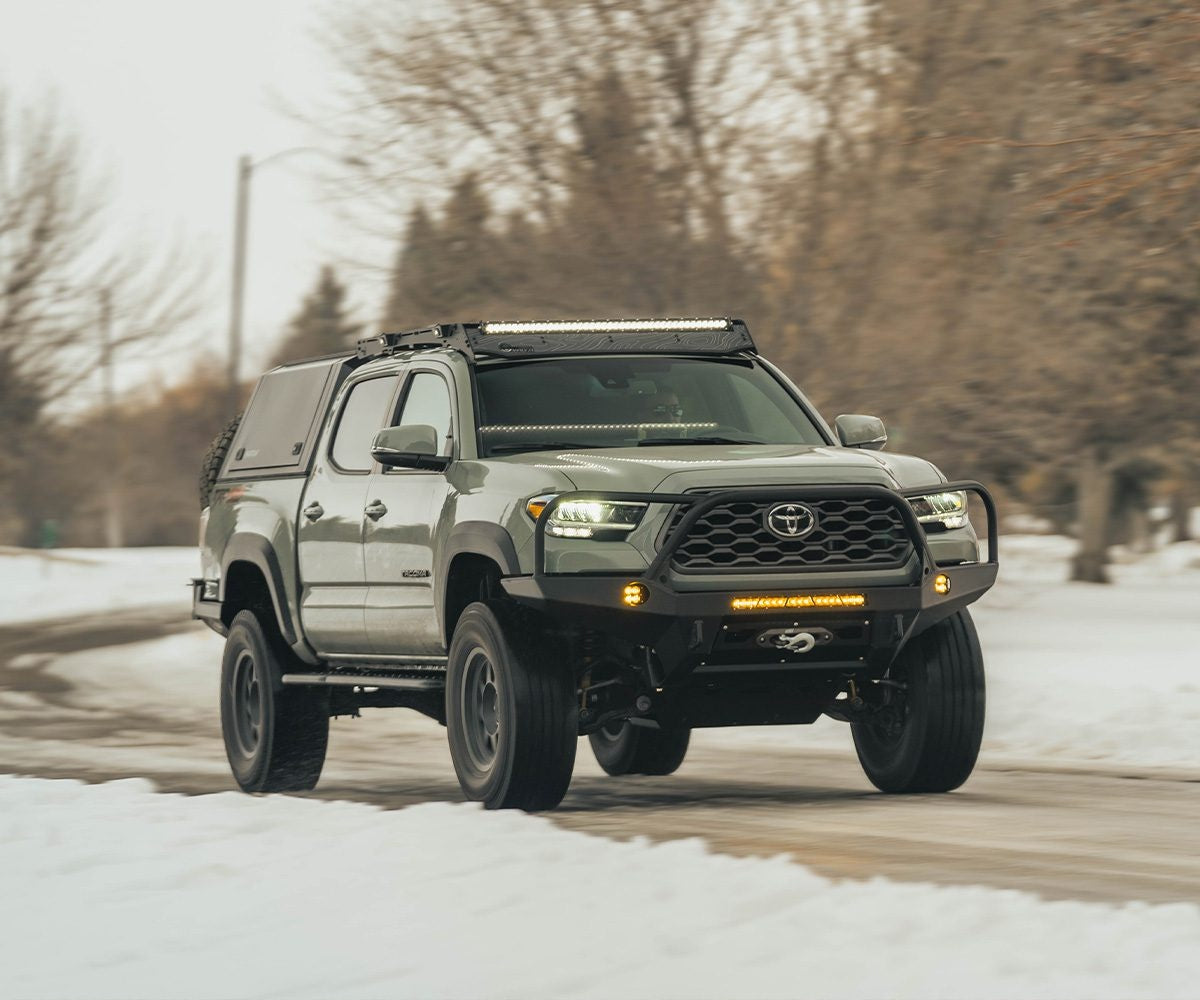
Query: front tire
(275, 737)
(621, 748)
(929, 740)
(511, 717)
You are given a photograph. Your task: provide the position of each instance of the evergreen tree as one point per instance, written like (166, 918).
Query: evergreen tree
(446, 269)
(464, 278)
(410, 302)
(321, 324)
(628, 238)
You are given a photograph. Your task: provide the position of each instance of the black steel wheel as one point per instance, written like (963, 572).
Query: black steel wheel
(622, 748)
(927, 738)
(481, 704)
(511, 717)
(275, 737)
(246, 704)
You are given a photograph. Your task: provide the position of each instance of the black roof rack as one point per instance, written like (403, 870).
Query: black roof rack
(524, 338)
(442, 335)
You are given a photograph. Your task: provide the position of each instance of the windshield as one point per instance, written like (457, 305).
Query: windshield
(635, 402)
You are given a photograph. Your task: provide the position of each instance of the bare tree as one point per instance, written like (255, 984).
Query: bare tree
(494, 86)
(977, 217)
(1005, 256)
(70, 296)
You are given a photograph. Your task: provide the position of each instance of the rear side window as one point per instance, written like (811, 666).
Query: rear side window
(365, 412)
(282, 421)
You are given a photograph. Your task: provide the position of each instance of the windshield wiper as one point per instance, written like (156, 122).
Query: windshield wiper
(500, 449)
(697, 440)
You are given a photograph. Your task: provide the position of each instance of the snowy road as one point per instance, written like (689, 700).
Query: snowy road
(1102, 833)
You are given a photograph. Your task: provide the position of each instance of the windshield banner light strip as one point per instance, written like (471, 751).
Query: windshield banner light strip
(518, 428)
(608, 326)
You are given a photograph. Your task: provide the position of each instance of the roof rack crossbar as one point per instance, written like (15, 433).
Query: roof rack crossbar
(441, 335)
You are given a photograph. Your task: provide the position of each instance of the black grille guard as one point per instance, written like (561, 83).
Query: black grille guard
(700, 504)
(684, 628)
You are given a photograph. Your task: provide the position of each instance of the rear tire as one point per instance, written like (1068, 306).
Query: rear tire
(275, 737)
(933, 743)
(511, 717)
(621, 748)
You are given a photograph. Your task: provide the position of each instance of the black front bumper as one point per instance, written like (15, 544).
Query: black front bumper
(701, 632)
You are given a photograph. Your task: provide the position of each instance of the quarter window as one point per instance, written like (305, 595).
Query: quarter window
(362, 417)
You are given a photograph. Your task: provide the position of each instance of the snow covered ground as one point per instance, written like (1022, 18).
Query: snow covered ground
(114, 891)
(61, 582)
(1092, 672)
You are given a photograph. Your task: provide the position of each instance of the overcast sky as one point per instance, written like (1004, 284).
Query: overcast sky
(166, 94)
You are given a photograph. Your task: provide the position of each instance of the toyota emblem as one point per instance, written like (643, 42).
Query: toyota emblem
(791, 520)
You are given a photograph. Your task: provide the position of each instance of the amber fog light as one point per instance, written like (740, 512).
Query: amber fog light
(941, 584)
(635, 594)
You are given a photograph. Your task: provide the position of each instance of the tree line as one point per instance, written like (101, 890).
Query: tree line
(977, 220)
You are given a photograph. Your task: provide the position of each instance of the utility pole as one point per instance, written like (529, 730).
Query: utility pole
(114, 533)
(241, 221)
(237, 288)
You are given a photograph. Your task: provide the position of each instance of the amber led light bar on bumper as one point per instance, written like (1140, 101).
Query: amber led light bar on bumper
(790, 601)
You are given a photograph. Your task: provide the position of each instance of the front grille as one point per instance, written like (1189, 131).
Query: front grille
(850, 534)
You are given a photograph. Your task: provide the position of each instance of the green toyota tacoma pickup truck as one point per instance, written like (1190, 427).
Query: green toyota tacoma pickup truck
(624, 529)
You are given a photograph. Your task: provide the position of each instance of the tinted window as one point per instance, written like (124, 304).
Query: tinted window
(770, 414)
(428, 402)
(635, 401)
(282, 419)
(363, 415)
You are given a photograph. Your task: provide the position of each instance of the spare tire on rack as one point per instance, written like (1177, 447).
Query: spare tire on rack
(214, 458)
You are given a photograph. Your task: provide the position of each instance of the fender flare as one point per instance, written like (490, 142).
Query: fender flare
(480, 538)
(257, 550)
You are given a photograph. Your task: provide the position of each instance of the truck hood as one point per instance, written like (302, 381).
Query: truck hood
(676, 470)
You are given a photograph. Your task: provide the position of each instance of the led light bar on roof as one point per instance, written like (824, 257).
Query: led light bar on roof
(609, 326)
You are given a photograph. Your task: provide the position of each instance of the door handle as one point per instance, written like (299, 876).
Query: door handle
(314, 511)
(375, 510)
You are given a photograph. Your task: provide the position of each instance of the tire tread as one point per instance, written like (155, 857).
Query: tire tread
(298, 738)
(214, 458)
(943, 746)
(545, 732)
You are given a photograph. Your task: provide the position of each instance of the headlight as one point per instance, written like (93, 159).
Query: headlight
(948, 509)
(603, 520)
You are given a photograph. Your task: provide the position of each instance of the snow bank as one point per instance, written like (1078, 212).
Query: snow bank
(1088, 672)
(112, 891)
(61, 582)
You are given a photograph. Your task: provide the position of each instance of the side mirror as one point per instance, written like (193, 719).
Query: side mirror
(410, 446)
(856, 430)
